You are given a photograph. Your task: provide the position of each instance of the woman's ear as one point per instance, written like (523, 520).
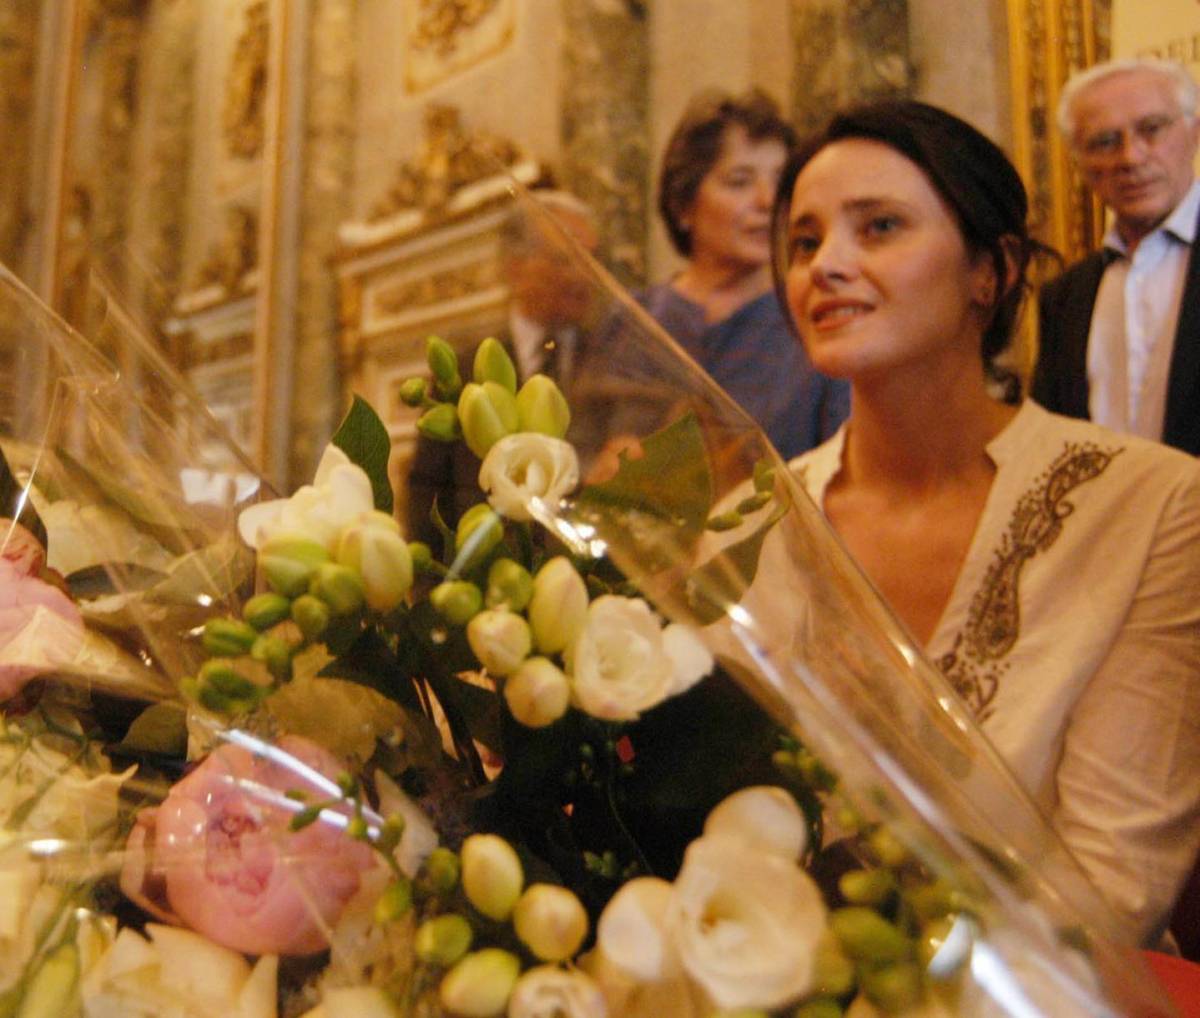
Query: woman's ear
(983, 284)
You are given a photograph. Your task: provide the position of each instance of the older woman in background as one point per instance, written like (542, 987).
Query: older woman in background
(716, 188)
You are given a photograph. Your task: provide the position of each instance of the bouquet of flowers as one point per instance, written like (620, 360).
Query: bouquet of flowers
(631, 737)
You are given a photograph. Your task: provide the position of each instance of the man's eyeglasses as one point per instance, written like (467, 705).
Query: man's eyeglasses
(1148, 130)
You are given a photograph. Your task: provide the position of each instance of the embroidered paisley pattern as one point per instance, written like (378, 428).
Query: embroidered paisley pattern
(975, 665)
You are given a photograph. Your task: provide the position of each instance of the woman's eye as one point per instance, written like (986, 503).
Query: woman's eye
(881, 226)
(802, 246)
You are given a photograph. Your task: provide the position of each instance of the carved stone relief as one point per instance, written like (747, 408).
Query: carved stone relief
(605, 125)
(445, 37)
(448, 159)
(246, 85)
(847, 51)
(18, 46)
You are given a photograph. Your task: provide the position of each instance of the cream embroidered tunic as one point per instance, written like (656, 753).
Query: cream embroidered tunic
(1073, 634)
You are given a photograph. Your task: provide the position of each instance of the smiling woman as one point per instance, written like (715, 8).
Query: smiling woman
(1002, 535)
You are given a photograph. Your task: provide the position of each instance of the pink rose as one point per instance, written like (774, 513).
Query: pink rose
(40, 627)
(232, 869)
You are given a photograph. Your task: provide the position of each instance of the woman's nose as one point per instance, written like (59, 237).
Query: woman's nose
(830, 262)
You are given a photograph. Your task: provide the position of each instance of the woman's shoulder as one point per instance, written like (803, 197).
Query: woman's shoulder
(1074, 464)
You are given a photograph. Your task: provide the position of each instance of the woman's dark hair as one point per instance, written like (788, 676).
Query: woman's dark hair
(695, 147)
(972, 175)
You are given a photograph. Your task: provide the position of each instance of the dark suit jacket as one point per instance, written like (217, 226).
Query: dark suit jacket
(1065, 311)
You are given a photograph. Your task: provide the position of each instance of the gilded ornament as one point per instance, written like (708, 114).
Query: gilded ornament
(246, 87)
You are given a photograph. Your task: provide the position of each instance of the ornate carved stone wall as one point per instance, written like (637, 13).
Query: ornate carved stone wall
(163, 152)
(327, 202)
(847, 51)
(18, 48)
(605, 124)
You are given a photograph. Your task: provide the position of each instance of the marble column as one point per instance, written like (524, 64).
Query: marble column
(326, 200)
(605, 111)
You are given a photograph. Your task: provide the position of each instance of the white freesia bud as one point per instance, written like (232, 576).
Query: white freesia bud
(559, 606)
(381, 557)
(547, 991)
(551, 921)
(492, 877)
(765, 815)
(746, 923)
(479, 986)
(632, 931)
(500, 639)
(624, 662)
(340, 493)
(537, 693)
(525, 466)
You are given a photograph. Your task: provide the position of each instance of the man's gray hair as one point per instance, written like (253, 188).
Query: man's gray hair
(518, 231)
(1186, 92)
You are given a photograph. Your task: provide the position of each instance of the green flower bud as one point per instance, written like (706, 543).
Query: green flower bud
(866, 936)
(266, 610)
(340, 588)
(395, 902)
(421, 555)
(443, 940)
(413, 391)
(228, 637)
(541, 407)
(275, 654)
(537, 693)
(893, 987)
(936, 899)
(52, 990)
(821, 1007)
(311, 615)
(492, 877)
(764, 476)
(443, 365)
(833, 972)
(509, 585)
(558, 608)
(381, 557)
(441, 871)
(867, 887)
(440, 423)
(724, 521)
(456, 601)
(288, 562)
(492, 364)
(888, 849)
(551, 921)
(478, 532)
(501, 640)
(480, 984)
(486, 413)
(390, 833)
(754, 502)
(220, 675)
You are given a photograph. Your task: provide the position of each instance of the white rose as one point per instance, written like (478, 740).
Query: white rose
(631, 935)
(340, 493)
(745, 922)
(527, 466)
(180, 973)
(547, 991)
(624, 662)
(765, 815)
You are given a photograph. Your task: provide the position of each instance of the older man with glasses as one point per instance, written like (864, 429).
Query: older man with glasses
(1120, 330)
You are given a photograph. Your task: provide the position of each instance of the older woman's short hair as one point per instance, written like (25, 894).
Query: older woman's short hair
(695, 147)
(1186, 92)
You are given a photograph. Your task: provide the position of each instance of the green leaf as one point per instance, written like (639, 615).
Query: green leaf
(363, 437)
(656, 506)
(725, 578)
(160, 728)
